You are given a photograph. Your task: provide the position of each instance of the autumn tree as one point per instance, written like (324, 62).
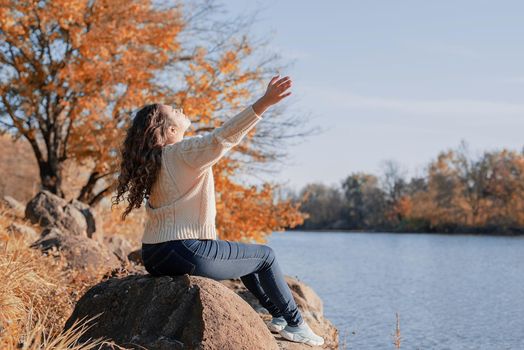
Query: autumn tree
(394, 184)
(365, 201)
(458, 193)
(73, 72)
(463, 191)
(504, 189)
(323, 204)
(456, 189)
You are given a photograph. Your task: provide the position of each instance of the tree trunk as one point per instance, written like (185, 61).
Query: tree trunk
(51, 178)
(87, 193)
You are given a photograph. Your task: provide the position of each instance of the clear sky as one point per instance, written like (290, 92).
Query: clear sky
(397, 80)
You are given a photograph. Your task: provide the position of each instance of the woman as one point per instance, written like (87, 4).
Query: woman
(174, 175)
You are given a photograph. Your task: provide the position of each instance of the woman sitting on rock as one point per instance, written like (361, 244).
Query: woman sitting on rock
(174, 174)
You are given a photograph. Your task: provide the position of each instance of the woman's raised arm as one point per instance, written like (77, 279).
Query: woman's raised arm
(203, 151)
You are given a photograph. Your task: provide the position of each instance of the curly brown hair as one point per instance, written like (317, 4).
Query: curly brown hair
(141, 156)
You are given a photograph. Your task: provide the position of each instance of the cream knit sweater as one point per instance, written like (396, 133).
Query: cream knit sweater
(182, 201)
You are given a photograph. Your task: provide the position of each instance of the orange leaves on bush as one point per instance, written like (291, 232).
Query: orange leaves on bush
(249, 212)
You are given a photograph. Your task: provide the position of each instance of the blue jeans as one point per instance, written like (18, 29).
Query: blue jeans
(255, 264)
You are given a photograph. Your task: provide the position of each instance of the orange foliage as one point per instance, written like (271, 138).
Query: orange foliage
(403, 207)
(79, 98)
(489, 191)
(250, 213)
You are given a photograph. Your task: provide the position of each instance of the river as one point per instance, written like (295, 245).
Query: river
(450, 291)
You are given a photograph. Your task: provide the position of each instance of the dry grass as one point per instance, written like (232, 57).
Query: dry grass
(344, 344)
(37, 295)
(396, 336)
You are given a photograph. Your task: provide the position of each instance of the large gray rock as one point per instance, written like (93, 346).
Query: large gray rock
(81, 252)
(50, 210)
(182, 312)
(93, 230)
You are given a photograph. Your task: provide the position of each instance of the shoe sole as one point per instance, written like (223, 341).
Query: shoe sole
(299, 339)
(274, 328)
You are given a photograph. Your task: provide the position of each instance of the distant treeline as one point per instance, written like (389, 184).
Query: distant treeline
(457, 194)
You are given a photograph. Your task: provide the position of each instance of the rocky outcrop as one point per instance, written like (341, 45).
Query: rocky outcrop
(191, 312)
(50, 210)
(309, 303)
(71, 227)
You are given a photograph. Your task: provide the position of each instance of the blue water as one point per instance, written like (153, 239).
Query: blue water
(451, 291)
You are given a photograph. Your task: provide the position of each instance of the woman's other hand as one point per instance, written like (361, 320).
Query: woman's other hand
(276, 91)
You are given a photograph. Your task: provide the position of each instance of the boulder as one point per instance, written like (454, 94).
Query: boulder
(171, 312)
(310, 305)
(93, 230)
(50, 210)
(119, 245)
(20, 230)
(17, 207)
(81, 252)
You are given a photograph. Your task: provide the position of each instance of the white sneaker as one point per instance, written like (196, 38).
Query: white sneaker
(301, 334)
(276, 324)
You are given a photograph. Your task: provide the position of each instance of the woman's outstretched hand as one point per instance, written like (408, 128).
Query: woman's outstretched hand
(276, 91)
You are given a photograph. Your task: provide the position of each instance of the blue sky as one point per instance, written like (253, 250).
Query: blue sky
(397, 80)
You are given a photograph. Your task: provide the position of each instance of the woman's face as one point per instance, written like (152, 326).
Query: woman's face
(179, 124)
